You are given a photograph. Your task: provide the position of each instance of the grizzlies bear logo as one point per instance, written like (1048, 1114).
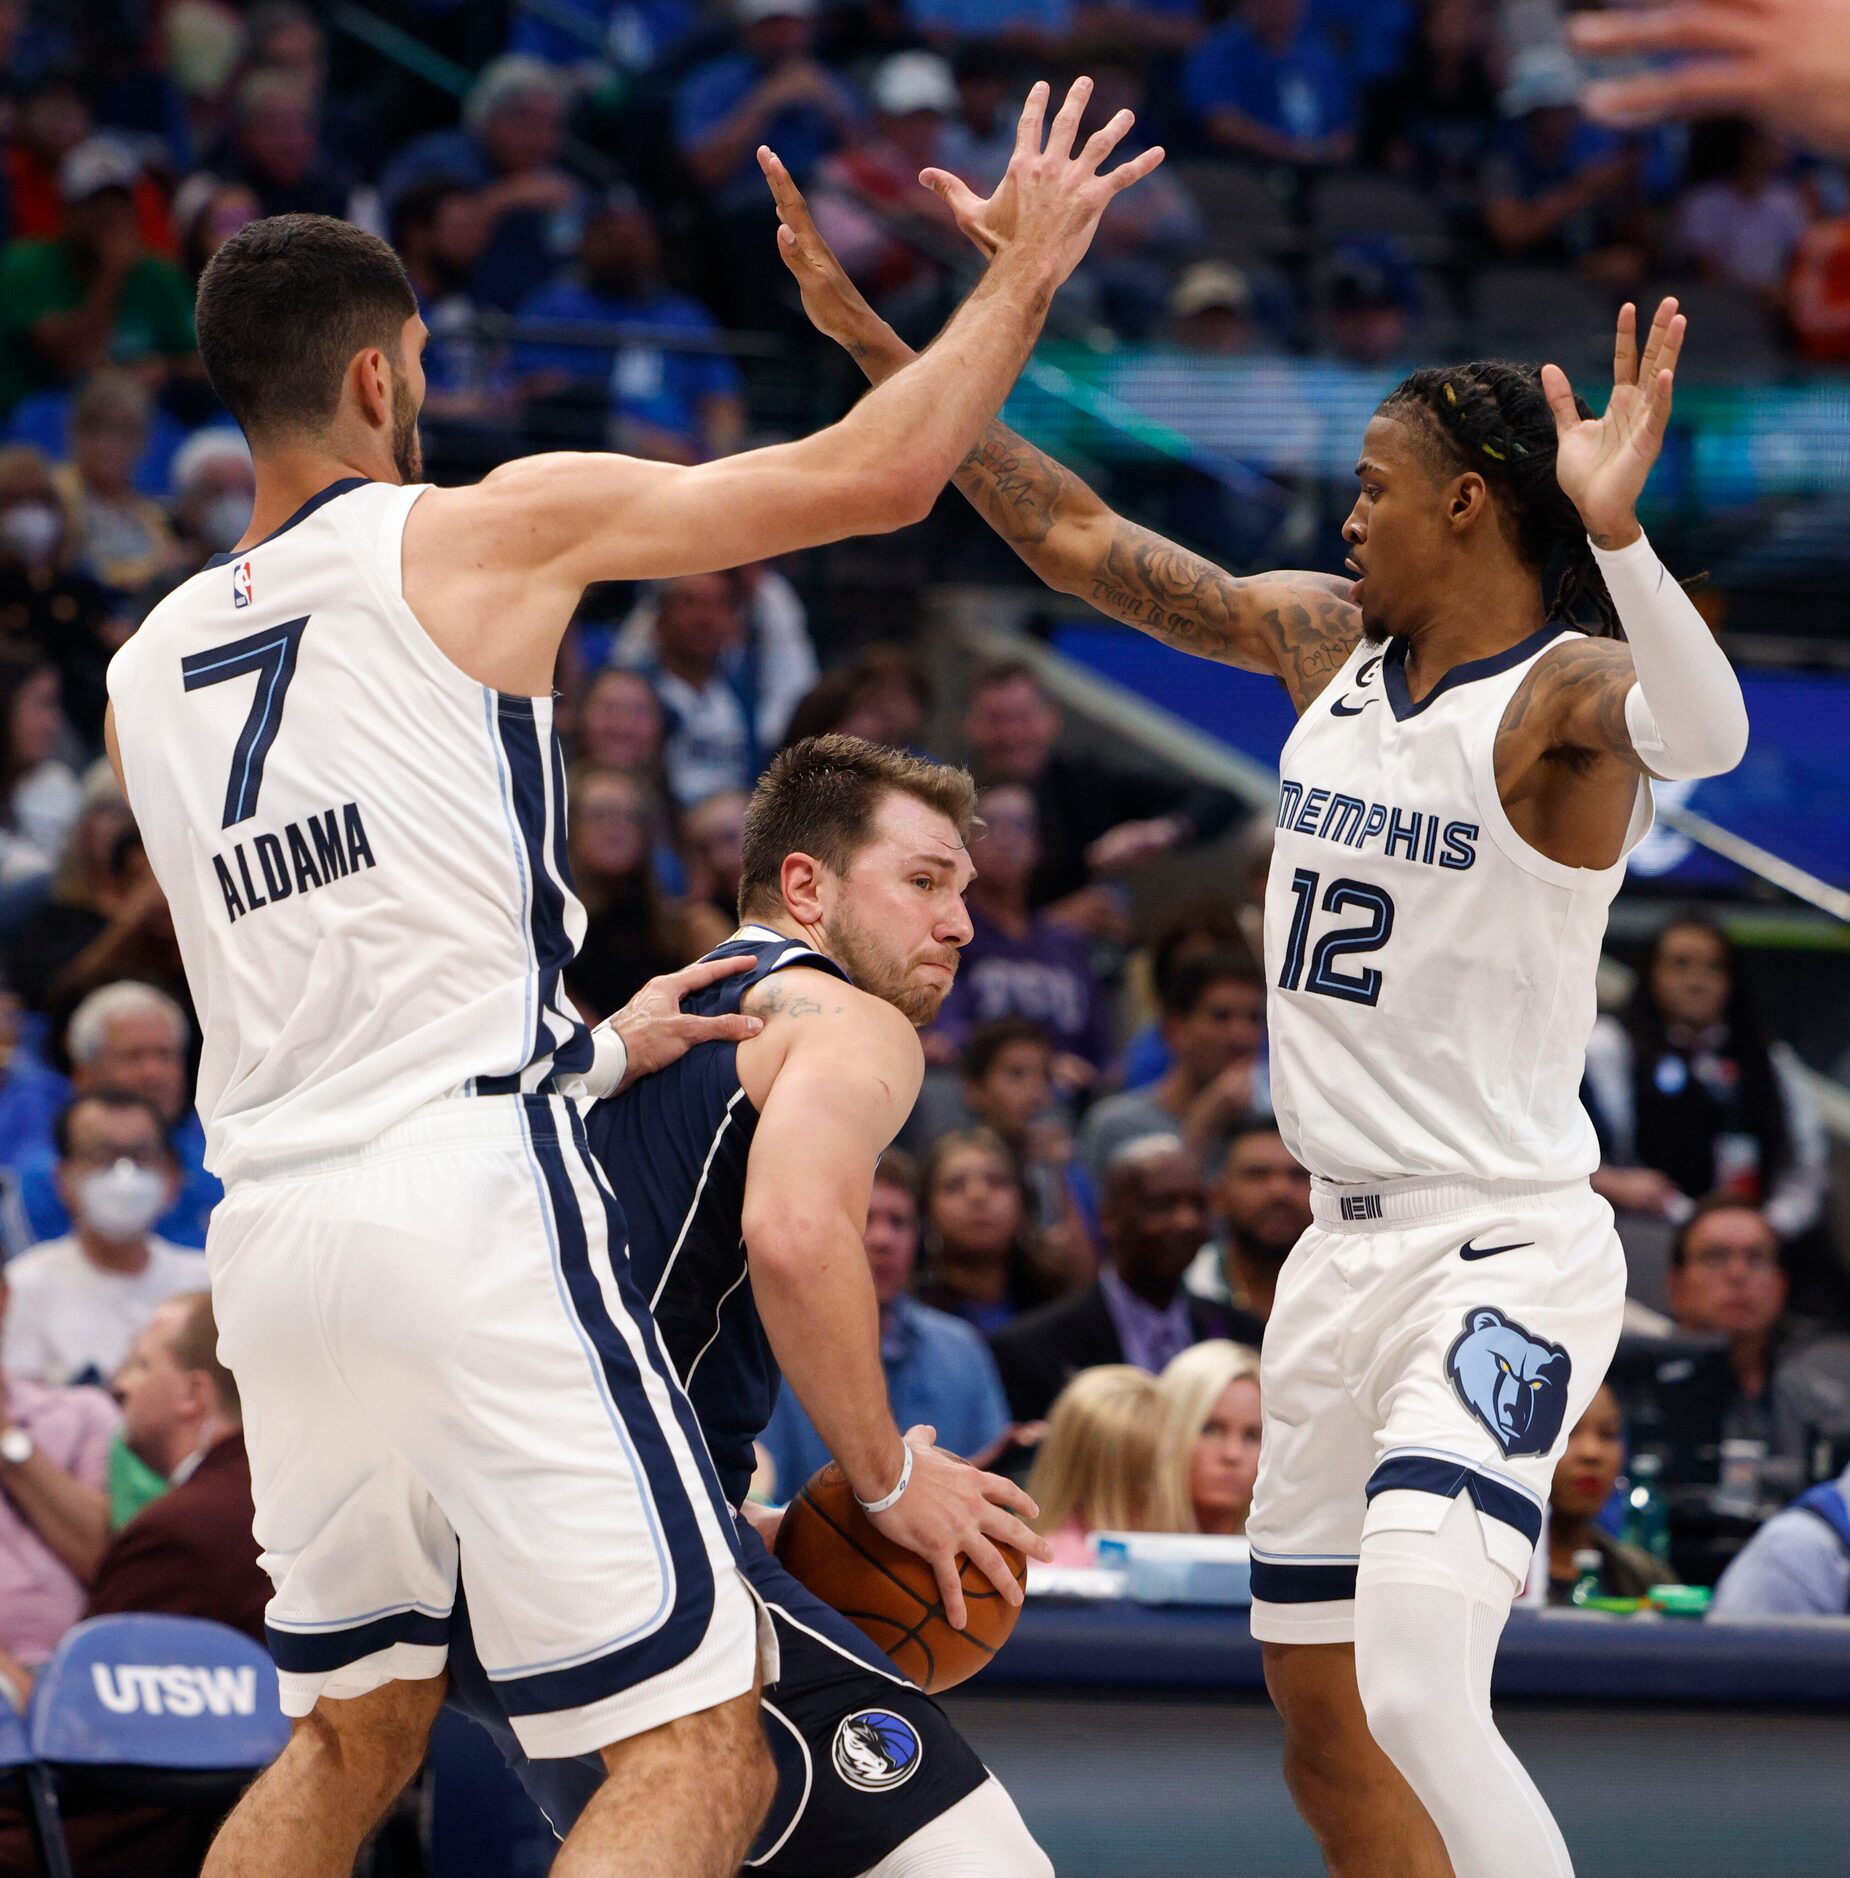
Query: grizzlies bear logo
(1515, 1384)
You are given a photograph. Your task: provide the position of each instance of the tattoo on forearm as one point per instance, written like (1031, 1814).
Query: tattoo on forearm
(1274, 623)
(1016, 488)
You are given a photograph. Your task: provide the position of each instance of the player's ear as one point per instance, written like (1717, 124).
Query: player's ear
(800, 882)
(371, 376)
(1470, 495)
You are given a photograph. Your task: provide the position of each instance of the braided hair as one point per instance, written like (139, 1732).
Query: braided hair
(1493, 417)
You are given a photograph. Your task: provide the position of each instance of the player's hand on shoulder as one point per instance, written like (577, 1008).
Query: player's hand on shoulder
(951, 1510)
(655, 1030)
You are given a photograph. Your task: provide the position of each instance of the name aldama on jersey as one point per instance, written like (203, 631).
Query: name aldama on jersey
(1415, 835)
(308, 854)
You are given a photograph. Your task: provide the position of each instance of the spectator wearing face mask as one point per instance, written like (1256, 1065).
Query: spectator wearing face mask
(130, 1039)
(213, 487)
(79, 1302)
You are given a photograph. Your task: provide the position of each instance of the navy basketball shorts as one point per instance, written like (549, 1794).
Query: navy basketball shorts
(443, 1369)
(864, 1758)
(1430, 1339)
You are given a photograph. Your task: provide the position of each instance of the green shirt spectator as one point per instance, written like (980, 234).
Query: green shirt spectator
(94, 296)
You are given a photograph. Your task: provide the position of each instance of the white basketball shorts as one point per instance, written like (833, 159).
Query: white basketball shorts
(1429, 1339)
(440, 1351)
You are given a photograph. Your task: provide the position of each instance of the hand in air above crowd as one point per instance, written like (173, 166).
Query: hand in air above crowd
(1602, 462)
(1785, 63)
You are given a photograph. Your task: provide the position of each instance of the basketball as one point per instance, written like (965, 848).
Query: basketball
(833, 1548)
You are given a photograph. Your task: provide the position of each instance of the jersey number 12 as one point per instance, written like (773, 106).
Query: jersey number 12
(1363, 987)
(271, 654)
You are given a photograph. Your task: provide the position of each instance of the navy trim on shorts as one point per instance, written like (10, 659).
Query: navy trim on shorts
(1275, 1583)
(319, 1652)
(676, 1638)
(1425, 1473)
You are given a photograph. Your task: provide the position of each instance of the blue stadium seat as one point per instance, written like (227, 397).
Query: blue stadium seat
(164, 1711)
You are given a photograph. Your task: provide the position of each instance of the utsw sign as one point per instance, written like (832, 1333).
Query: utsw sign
(179, 1689)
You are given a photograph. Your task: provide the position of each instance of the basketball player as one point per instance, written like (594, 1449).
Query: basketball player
(338, 743)
(745, 1172)
(1456, 803)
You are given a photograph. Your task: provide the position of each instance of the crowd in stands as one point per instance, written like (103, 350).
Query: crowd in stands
(1076, 1258)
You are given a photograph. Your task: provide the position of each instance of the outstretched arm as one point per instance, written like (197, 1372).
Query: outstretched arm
(1666, 702)
(1299, 627)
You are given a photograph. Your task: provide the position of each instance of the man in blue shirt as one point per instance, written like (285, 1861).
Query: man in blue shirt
(938, 1370)
(1269, 86)
(772, 90)
(675, 404)
(1798, 1563)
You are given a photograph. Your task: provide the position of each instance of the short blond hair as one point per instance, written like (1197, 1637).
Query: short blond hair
(1098, 1460)
(1189, 1387)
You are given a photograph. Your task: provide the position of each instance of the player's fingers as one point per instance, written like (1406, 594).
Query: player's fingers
(1033, 116)
(1672, 349)
(957, 196)
(1105, 140)
(998, 1490)
(734, 1027)
(1560, 396)
(1698, 89)
(995, 1568)
(1625, 346)
(1066, 125)
(1005, 1529)
(950, 1589)
(1657, 412)
(1656, 339)
(1135, 170)
(700, 974)
(1702, 26)
(921, 1435)
(792, 205)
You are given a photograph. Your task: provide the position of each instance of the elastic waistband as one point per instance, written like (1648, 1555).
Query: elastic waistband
(501, 1121)
(1342, 1208)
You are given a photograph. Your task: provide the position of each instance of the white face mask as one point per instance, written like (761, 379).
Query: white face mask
(123, 1201)
(223, 520)
(31, 531)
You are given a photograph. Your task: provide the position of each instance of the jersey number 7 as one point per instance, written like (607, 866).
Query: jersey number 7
(271, 654)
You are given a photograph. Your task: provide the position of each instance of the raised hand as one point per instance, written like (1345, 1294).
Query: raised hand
(1048, 198)
(1602, 462)
(832, 301)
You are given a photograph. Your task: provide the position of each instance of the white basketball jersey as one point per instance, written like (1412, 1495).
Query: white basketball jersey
(1432, 975)
(364, 849)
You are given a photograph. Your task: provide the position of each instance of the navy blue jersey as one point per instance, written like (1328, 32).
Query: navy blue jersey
(675, 1146)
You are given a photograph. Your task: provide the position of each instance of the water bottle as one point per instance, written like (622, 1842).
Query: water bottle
(1586, 1575)
(1647, 1512)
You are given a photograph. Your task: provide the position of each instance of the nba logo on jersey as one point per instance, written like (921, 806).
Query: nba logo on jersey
(241, 584)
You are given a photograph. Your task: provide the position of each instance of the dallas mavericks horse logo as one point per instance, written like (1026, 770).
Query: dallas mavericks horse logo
(876, 1751)
(1515, 1384)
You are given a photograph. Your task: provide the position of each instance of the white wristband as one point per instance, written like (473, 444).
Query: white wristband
(892, 1499)
(610, 1061)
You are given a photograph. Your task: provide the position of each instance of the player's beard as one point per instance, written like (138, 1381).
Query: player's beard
(877, 969)
(407, 445)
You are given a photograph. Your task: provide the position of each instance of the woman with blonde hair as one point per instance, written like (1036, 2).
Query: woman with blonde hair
(1098, 1461)
(1210, 1438)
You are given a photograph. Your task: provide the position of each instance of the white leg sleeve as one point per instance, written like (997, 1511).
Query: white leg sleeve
(982, 1836)
(1429, 1610)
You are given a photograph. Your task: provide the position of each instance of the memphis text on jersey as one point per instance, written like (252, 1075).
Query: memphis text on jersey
(1351, 822)
(308, 854)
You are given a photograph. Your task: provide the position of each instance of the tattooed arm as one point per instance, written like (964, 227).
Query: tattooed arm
(1299, 627)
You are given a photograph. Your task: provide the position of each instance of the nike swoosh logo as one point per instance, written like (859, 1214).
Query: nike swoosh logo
(1470, 1251)
(1340, 709)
